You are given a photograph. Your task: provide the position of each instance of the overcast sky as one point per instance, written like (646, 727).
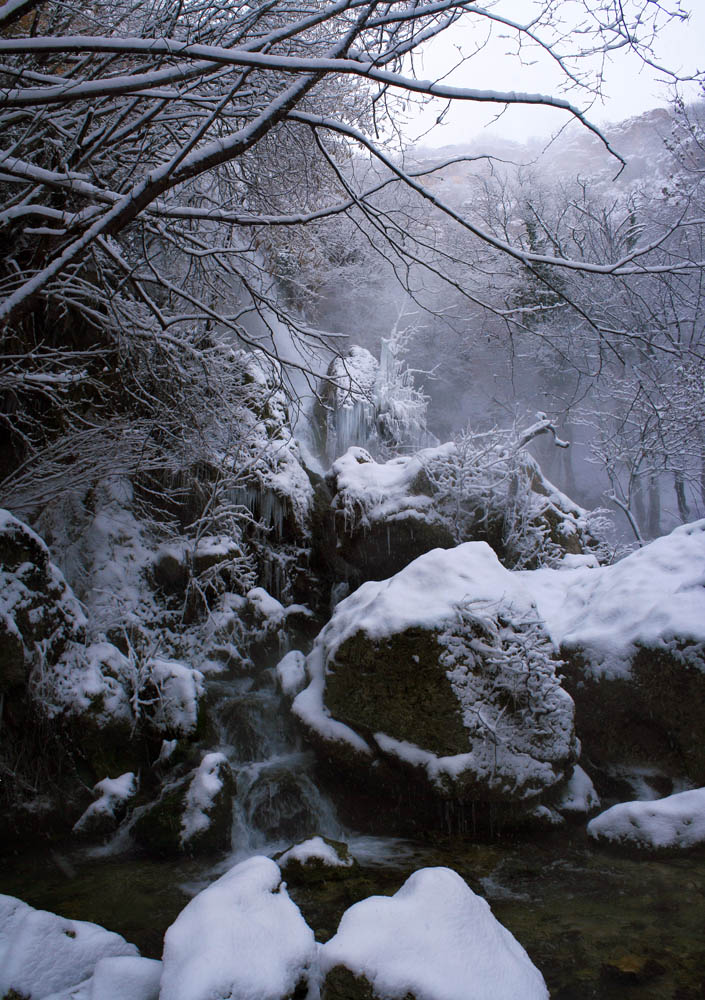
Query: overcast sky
(630, 87)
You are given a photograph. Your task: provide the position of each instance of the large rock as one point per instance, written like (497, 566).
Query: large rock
(384, 514)
(633, 639)
(440, 684)
(433, 940)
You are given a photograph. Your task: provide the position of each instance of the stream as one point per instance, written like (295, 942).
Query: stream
(598, 925)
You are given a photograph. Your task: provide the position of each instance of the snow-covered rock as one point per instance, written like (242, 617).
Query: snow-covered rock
(444, 674)
(578, 794)
(113, 796)
(180, 690)
(433, 940)
(384, 512)
(633, 639)
(42, 953)
(676, 822)
(291, 673)
(316, 859)
(193, 815)
(241, 937)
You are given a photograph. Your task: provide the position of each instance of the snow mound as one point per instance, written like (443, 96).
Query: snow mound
(42, 953)
(123, 978)
(180, 690)
(205, 787)
(113, 796)
(677, 821)
(433, 940)
(291, 673)
(316, 849)
(241, 937)
(651, 598)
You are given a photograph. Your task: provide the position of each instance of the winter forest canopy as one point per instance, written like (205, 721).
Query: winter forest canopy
(346, 484)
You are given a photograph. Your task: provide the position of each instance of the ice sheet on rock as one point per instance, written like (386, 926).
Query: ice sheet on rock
(436, 940)
(652, 596)
(241, 937)
(42, 953)
(677, 821)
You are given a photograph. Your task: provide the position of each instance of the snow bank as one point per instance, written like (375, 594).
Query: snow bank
(121, 978)
(241, 937)
(434, 940)
(41, 953)
(652, 597)
(677, 821)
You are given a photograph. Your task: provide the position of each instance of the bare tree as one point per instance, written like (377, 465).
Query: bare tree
(157, 156)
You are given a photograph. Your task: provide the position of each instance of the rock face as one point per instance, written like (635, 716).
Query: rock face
(441, 683)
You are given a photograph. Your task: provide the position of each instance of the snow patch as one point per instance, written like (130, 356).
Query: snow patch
(678, 821)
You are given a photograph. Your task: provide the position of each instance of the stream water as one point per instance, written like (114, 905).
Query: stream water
(597, 925)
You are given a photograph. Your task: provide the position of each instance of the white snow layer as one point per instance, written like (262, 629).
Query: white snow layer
(651, 597)
(180, 689)
(202, 791)
(434, 939)
(125, 977)
(579, 795)
(291, 673)
(42, 953)
(241, 937)
(677, 821)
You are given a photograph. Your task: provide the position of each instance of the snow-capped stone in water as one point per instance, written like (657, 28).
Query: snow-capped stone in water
(633, 639)
(291, 673)
(445, 672)
(433, 940)
(579, 795)
(316, 859)
(241, 937)
(676, 822)
(113, 796)
(42, 953)
(193, 815)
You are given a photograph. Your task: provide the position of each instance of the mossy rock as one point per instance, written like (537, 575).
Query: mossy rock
(386, 546)
(397, 685)
(158, 829)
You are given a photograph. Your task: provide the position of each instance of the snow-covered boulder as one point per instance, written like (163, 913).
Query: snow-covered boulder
(125, 977)
(192, 815)
(42, 953)
(632, 636)
(433, 940)
(241, 937)
(578, 796)
(441, 676)
(674, 823)
(384, 513)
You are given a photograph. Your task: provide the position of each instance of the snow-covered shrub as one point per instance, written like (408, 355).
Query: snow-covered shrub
(489, 487)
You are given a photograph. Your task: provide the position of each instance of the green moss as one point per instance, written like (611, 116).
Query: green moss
(397, 686)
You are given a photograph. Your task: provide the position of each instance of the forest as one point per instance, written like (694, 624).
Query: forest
(352, 506)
